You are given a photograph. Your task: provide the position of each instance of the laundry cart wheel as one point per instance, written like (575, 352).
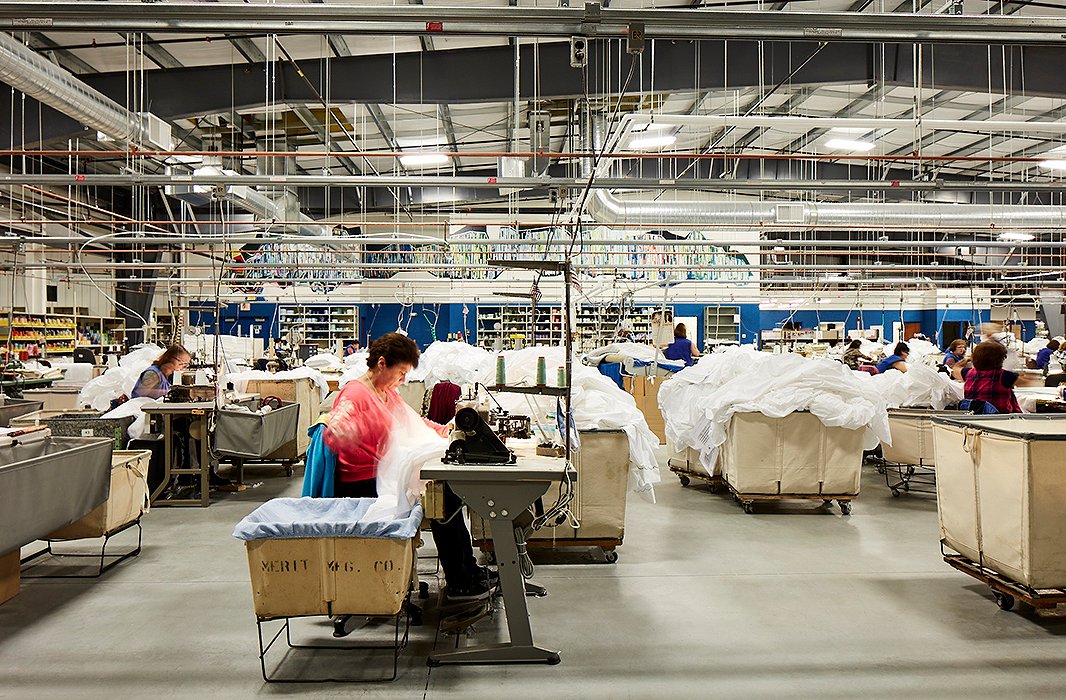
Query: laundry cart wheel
(895, 493)
(1003, 600)
(685, 481)
(845, 507)
(749, 507)
(610, 555)
(288, 469)
(423, 590)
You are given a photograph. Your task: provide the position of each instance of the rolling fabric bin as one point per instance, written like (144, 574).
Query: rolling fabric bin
(14, 408)
(796, 455)
(48, 483)
(912, 435)
(1001, 486)
(85, 423)
(255, 435)
(313, 556)
(55, 398)
(125, 504)
(599, 503)
(414, 395)
(303, 392)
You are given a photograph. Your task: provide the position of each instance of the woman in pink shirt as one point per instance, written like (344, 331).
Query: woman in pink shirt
(358, 433)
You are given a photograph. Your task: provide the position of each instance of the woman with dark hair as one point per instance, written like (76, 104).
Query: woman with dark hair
(853, 356)
(358, 433)
(987, 381)
(155, 381)
(897, 360)
(1043, 358)
(956, 353)
(682, 348)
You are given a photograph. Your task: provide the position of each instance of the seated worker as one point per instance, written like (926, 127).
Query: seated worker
(155, 381)
(897, 360)
(1043, 358)
(358, 435)
(956, 353)
(987, 380)
(682, 348)
(853, 356)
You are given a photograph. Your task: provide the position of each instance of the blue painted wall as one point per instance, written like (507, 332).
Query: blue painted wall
(237, 322)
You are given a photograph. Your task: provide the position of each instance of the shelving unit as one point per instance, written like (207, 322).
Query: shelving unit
(721, 323)
(594, 325)
(57, 334)
(325, 325)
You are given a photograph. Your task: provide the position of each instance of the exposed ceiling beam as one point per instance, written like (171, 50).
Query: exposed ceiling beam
(42, 44)
(160, 56)
(308, 118)
(443, 110)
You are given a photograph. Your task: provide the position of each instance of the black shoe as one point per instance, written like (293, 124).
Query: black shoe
(343, 625)
(476, 590)
(484, 573)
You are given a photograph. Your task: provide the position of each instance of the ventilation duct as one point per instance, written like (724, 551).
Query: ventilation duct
(610, 210)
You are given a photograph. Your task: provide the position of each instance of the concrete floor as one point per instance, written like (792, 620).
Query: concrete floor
(704, 601)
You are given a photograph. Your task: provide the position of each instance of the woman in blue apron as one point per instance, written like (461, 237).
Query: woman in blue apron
(682, 348)
(155, 381)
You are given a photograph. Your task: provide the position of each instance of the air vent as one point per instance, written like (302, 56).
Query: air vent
(790, 213)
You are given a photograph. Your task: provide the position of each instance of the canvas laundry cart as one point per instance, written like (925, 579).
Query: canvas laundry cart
(306, 395)
(794, 457)
(313, 557)
(414, 395)
(599, 503)
(1001, 486)
(79, 423)
(126, 502)
(13, 408)
(46, 482)
(909, 461)
(243, 433)
(685, 462)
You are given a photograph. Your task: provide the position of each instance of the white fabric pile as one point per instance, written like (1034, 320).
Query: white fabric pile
(921, 386)
(116, 381)
(324, 361)
(620, 352)
(597, 402)
(698, 403)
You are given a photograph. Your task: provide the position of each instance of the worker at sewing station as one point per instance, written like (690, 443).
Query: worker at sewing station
(682, 348)
(358, 434)
(155, 381)
(897, 360)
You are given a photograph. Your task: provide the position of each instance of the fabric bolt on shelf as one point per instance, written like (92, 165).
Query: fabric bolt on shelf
(1001, 485)
(293, 518)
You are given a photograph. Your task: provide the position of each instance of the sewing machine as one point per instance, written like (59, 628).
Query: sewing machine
(473, 442)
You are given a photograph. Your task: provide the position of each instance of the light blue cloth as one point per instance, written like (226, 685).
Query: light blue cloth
(320, 465)
(291, 518)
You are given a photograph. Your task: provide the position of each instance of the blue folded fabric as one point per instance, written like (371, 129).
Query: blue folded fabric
(291, 518)
(613, 371)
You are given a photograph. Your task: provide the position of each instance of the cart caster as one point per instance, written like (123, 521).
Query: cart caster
(895, 493)
(749, 507)
(881, 470)
(423, 590)
(1004, 601)
(845, 507)
(289, 470)
(610, 555)
(827, 504)
(715, 488)
(684, 480)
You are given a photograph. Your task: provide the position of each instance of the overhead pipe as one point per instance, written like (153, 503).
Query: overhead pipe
(608, 209)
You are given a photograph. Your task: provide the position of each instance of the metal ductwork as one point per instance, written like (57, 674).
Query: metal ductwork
(608, 209)
(31, 73)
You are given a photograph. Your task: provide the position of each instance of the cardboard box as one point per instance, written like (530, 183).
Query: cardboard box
(433, 501)
(645, 391)
(126, 502)
(329, 576)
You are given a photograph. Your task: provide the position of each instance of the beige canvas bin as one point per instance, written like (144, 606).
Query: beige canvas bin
(599, 503)
(912, 435)
(796, 454)
(1001, 486)
(688, 459)
(329, 576)
(126, 502)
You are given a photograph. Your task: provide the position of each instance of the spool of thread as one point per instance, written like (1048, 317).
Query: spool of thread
(501, 371)
(561, 378)
(542, 372)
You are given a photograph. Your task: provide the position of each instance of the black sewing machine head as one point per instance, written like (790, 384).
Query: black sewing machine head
(473, 442)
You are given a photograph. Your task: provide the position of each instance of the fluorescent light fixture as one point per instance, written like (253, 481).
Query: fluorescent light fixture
(1053, 164)
(424, 159)
(849, 145)
(1015, 236)
(849, 130)
(650, 142)
(1058, 149)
